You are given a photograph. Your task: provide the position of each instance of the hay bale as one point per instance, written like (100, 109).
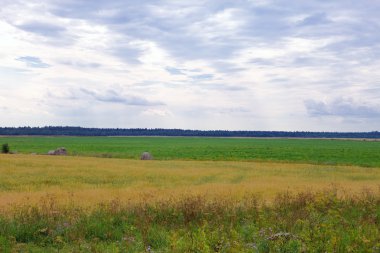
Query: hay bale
(61, 151)
(58, 151)
(146, 156)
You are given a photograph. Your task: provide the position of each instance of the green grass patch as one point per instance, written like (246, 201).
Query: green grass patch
(302, 222)
(317, 151)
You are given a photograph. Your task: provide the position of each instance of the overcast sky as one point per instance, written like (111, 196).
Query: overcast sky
(200, 64)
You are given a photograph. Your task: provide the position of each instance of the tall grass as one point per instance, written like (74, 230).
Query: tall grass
(61, 204)
(323, 221)
(26, 178)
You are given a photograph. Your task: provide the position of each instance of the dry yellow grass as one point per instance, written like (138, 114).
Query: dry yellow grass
(87, 181)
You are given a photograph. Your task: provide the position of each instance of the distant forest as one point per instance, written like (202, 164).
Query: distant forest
(80, 131)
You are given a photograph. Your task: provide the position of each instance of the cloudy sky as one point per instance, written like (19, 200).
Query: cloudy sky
(201, 64)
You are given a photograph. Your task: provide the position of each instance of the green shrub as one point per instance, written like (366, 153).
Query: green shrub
(5, 148)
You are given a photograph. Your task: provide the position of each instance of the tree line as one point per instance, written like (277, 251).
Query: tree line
(81, 131)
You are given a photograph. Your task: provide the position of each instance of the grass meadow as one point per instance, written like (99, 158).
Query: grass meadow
(87, 180)
(199, 195)
(316, 151)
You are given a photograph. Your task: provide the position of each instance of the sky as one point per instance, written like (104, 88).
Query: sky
(202, 64)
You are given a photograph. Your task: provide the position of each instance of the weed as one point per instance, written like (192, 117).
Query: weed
(303, 222)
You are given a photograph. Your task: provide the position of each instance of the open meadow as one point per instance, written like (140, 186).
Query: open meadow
(198, 195)
(316, 151)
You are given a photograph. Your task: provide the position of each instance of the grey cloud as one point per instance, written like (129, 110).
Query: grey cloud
(224, 67)
(191, 48)
(357, 24)
(43, 29)
(208, 110)
(373, 90)
(137, 20)
(10, 70)
(224, 87)
(202, 77)
(33, 62)
(122, 11)
(80, 64)
(302, 61)
(111, 96)
(140, 20)
(316, 108)
(72, 94)
(146, 83)
(88, 96)
(188, 73)
(315, 19)
(306, 61)
(341, 107)
(174, 71)
(127, 54)
(280, 80)
(261, 61)
(233, 110)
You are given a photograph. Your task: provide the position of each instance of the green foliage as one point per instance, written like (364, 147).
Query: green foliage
(5, 148)
(330, 152)
(307, 222)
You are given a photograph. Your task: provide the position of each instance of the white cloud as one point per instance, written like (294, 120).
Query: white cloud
(157, 112)
(203, 64)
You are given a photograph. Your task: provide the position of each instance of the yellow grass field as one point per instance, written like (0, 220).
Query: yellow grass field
(88, 181)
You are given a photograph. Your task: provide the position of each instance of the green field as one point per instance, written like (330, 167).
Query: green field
(198, 195)
(316, 151)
